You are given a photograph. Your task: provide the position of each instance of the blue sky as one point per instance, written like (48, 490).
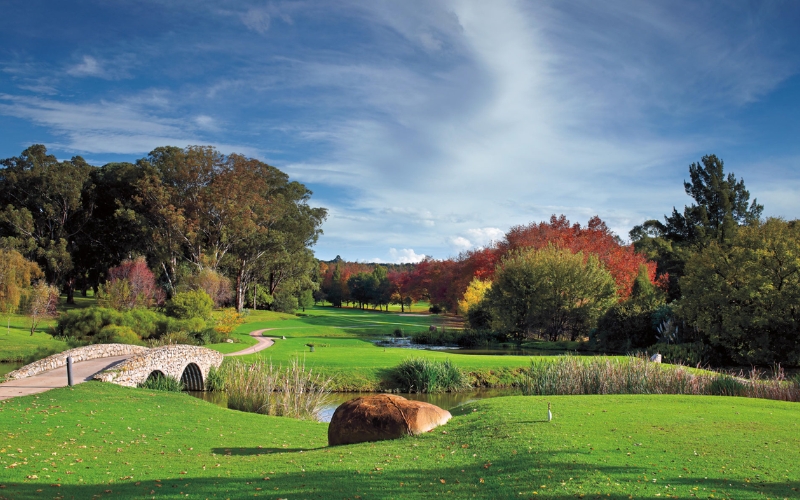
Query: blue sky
(425, 127)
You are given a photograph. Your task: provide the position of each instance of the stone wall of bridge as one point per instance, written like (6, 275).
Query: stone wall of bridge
(78, 354)
(187, 363)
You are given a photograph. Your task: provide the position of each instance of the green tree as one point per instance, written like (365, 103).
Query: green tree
(43, 210)
(744, 297)
(551, 292)
(629, 324)
(335, 294)
(305, 299)
(721, 205)
(191, 304)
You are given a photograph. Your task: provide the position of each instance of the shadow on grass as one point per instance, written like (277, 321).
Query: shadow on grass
(245, 452)
(552, 477)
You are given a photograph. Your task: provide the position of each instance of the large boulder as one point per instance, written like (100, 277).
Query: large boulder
(385, 416)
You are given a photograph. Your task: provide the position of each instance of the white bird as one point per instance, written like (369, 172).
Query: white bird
(549, 413)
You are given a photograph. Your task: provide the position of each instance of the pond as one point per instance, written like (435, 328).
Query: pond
(446, 401)
(9, 367)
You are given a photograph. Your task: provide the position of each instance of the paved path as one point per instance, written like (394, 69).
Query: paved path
(262, 343)
(57, 377)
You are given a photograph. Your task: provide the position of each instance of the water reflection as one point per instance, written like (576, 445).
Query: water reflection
(446, 400)
(9, 367)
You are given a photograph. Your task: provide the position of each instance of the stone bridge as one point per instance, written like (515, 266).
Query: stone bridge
(189, 364)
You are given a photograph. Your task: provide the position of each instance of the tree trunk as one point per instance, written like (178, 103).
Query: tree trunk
(240, 284)
(70, 292)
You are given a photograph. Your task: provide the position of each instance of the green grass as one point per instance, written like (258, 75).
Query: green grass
(17, 344)
(109, 441)
(351, 360)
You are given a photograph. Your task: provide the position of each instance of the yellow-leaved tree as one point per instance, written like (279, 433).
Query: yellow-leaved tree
(16, 276)
(474, 294)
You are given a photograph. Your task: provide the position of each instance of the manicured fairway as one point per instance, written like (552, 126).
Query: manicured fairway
(103, 441)
(349, 357)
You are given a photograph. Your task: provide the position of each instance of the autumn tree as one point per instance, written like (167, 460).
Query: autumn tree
(16, 277)
(130, 285)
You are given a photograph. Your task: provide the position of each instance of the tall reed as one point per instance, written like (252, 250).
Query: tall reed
(160, 382)
(261, 387)
(571, 375)
(430, 376)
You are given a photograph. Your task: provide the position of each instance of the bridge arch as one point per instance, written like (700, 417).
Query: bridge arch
(187, 363)
(192, 378)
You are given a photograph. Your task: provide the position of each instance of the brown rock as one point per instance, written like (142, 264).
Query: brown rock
(386, 416)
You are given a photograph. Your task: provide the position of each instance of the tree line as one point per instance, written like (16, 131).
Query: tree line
(712, 283)
(234, 226)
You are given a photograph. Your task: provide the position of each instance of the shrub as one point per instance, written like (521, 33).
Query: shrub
(191, 304)
(130, 285)
(284, 302)
(159, 382)
(430, 376)
(86, 323)
(116, 334)
(226, 322)
(217, 286)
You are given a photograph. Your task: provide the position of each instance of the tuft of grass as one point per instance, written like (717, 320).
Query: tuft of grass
(430, 376)
(572, 375)
(215, 381)
(160, 382)
(263, 388)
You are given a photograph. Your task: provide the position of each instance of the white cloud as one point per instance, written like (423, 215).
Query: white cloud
(127, 127)
(461, 243)
(88, 67)
(486, 235)
(405, 256)
(257, 19)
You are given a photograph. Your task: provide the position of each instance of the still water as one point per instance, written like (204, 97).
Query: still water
(8, 367)
(446, 401)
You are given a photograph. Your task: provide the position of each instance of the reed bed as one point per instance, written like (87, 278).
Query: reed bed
(572, 375)
(160, 382)
(430, 376)
(290, 391)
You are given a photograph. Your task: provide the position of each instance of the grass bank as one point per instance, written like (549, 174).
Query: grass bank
(107, 441)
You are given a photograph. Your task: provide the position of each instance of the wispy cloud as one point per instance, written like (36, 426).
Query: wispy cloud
(434, 126)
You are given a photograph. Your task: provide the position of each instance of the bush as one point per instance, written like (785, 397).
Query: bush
(86, 323)
(191, 304)
(430, 376)
(159, 382)
(439, 336)
(115, 334)
(479, 316)
(284, 302)
(435, 309)
(692, 354)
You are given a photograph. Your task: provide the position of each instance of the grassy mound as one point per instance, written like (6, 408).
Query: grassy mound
(100, 439)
